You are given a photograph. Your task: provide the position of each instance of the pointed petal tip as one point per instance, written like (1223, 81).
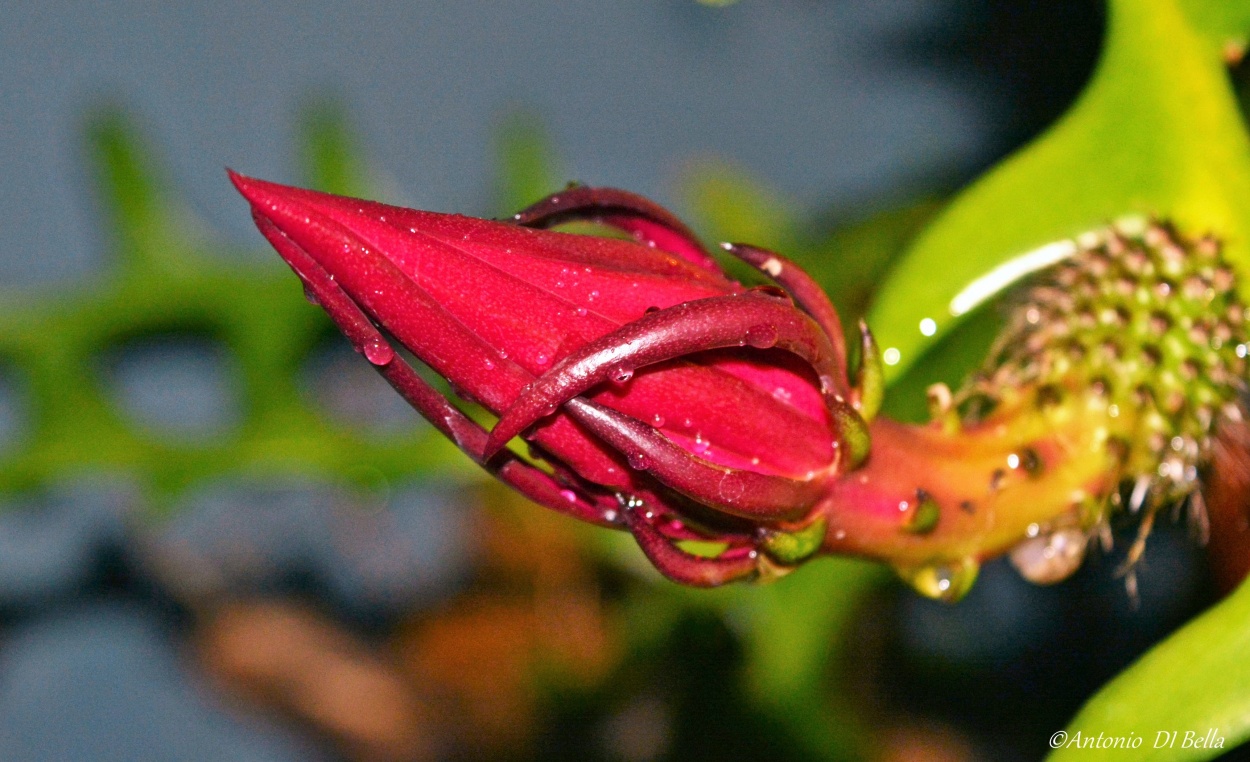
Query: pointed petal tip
(241, 182)
(263, 195)
(252, 190)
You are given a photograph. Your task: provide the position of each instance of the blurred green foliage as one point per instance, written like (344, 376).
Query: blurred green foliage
(168, 276)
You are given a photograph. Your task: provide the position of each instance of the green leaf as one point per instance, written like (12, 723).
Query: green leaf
(1156, 132)
(1193, 682)
(528, 166)
(728, 204)
(149, 228)
(329, 156)
(1225, 23)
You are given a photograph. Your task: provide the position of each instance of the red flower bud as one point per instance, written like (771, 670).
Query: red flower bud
(635, 367)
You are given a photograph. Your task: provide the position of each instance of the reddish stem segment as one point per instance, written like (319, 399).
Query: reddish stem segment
(806, 293)
(640, 217)
(722, 321)
(747, 494)
(686, 568)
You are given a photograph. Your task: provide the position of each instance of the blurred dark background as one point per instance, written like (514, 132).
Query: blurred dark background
(433, 616)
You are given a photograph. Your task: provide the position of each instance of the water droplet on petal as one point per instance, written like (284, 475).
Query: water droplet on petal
(582, 312)
(569, 495)
(310, 296)
(701, 446)
(378, 352)
(622, 375)
(638, 461)
(542, 359)
(658, 420)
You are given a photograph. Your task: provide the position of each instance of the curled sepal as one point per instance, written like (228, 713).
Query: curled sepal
(752, 319)
(687, 568)
(795, 546)
(806, 292)
(870, 376)
(747, 494)
(645, 220)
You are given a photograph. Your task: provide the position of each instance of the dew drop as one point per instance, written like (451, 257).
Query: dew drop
(490, 365)
(638, 461)
(944, 581)
(701, 445)
(731, 487)
(582, 312)
(622, 375)
(658, 420)
(569, 495)
(762, 336)
(378, 352)
(772, 266)
(310, 296)
(920, 516)
(542, 359)
(1050, 558)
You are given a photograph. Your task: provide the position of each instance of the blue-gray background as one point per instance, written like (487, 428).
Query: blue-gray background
(835, 103)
